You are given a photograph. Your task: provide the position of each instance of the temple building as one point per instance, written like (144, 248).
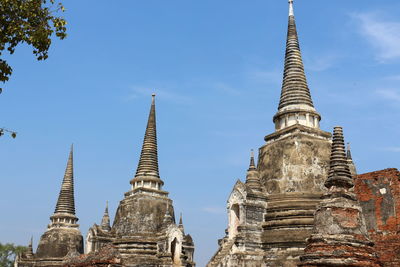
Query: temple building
(62, 236)
(279, 217)
(291, 171)
(144, 232)
(301, 204)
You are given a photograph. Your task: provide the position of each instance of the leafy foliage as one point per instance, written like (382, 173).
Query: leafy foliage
(8, 253)
(28, 21)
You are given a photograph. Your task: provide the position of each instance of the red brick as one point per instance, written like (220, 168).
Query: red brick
(382, 208)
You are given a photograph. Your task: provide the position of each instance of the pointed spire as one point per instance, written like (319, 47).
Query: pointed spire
(294, 88)
(252, 165)
(252, 177)
(167, 217)
(29, 251)
(348, 155)
(180, 225)
(66, 201)
(339, 171)
(295, 105)
(147, 176)
(148, 163)
(105, 221)
(180, 219)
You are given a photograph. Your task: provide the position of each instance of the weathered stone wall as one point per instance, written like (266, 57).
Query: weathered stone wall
(107, 256)
(242, 259)
(254, 214)
(293, 167)
(379, 196)
(141, 213)
(295, 160)
(57, 242)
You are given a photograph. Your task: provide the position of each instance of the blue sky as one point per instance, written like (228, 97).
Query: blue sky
(216, 67)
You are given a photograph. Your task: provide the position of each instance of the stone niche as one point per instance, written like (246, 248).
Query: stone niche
(295, 159)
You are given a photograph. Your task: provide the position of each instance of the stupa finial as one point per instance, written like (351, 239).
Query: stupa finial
(291, 13)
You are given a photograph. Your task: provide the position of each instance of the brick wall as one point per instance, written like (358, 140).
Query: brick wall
(379, 196)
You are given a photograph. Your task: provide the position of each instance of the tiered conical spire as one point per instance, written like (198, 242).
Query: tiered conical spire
(105, 221)
(295, 105)
(168, 219)
(64, 214)
(294, 87)
(147, 170)
(148, 163)
(252, 178)
(66, 201)
(180, 225)
(339, 172)
(180, 219)
(252, 165)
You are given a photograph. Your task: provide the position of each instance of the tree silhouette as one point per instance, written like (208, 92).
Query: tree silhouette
(28, 21)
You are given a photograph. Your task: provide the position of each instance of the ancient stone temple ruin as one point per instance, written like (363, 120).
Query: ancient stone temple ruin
(302, 204)
(144, 232)
(300, 198)
(291, 170)
(62, 236)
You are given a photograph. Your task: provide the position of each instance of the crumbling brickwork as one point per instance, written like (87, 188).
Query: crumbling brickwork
(379, 196)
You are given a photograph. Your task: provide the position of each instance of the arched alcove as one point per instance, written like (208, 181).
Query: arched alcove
(90, 245)
(175, 251)
(234, 220)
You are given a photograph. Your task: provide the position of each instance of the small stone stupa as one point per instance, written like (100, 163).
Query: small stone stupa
(340, 235)
(62, 236)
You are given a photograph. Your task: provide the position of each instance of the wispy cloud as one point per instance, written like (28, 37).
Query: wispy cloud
(393, 77)
(382, 34)
(393, 149)
(233, 133)
(214, 210)
(266, 76)
(390, 94)
(226, 88)
(142, 91)
(320, 62)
